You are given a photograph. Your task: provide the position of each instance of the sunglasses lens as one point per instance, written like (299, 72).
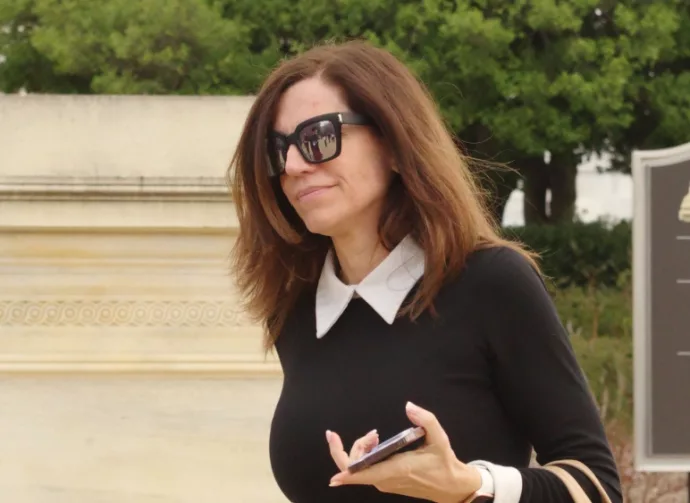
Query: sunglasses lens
(277, 151)
(318, 141)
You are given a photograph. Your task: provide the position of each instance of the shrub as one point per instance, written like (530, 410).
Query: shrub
(599, 322)
(579, 254)
(607, 364)
(596, 312)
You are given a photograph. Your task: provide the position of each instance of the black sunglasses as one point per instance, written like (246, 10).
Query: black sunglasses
(318, 139)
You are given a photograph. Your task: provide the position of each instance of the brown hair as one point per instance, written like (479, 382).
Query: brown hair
(435, 197)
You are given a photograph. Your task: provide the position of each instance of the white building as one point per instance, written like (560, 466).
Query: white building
(599, 195)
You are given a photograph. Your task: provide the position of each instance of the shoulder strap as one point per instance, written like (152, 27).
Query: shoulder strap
(576, 492)
(564, 475)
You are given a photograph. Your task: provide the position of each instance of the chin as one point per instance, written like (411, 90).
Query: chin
(325, 225)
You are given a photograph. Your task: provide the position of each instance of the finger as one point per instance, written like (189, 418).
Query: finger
(335, 445)
(435, 434)
(363, 445)
(395, 466)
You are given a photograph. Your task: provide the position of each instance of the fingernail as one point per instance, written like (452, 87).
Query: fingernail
(411, 408)
(334, 483)
(372, 432)
(328, 435)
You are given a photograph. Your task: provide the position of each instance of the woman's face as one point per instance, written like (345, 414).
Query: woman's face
(344, 194)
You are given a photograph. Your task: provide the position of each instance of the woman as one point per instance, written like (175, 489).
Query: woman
(391, 300)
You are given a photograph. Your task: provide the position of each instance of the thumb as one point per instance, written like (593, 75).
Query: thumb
(435, 434)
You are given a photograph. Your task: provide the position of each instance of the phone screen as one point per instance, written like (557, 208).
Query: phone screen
(387, 448)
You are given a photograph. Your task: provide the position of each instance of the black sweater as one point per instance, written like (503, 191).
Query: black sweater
(495, 366)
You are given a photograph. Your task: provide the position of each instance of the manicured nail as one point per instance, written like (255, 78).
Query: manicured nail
(334, 483)
(373, 432)
(412, 408)
(329, 434)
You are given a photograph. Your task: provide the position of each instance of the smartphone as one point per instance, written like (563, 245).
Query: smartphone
(387, 448)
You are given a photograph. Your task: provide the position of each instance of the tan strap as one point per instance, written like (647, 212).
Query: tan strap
(589, 473)
(576, 492)
(585, 470)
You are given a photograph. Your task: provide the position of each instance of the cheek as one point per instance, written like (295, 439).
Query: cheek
(372, 175)
(367, 171)
(285, 183)
(367, 185)
(378, 169)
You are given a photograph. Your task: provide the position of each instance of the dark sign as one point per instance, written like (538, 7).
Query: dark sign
(661, 271)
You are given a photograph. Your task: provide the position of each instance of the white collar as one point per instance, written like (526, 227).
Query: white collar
(384, 289)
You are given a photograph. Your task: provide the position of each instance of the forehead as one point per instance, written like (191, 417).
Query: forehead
(306, 99)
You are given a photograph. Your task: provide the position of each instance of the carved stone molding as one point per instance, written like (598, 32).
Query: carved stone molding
(120, 313)
(122, 274)
(102, 204)
(47, 335)
(61, 188)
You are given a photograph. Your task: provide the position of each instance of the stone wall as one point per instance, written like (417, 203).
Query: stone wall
(128, 371)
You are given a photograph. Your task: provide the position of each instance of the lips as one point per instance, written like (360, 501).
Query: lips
(312, 191)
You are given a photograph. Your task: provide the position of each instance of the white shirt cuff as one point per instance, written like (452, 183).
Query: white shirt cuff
(507, 481)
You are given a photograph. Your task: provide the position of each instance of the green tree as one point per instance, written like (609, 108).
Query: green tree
(513, 79)
(124, 47)
(658, 39)
(24, 66)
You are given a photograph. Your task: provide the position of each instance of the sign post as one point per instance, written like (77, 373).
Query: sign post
(661, 315)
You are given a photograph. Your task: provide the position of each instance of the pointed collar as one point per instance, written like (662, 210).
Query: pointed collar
(384, 289)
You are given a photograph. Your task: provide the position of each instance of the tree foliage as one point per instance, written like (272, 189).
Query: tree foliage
(513, 79)
(127, 47)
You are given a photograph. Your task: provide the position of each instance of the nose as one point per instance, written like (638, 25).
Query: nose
(295, 165)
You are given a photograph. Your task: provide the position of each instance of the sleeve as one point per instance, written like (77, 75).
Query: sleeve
(540, 385)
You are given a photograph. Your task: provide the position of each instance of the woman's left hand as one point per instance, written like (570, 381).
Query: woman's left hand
(431, 472)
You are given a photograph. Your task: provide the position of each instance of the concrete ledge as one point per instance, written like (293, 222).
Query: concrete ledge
(59, 188)
(183, 364)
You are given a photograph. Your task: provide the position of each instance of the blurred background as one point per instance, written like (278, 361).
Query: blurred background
(129, 373)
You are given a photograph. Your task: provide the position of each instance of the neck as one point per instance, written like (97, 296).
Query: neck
(358, 254)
